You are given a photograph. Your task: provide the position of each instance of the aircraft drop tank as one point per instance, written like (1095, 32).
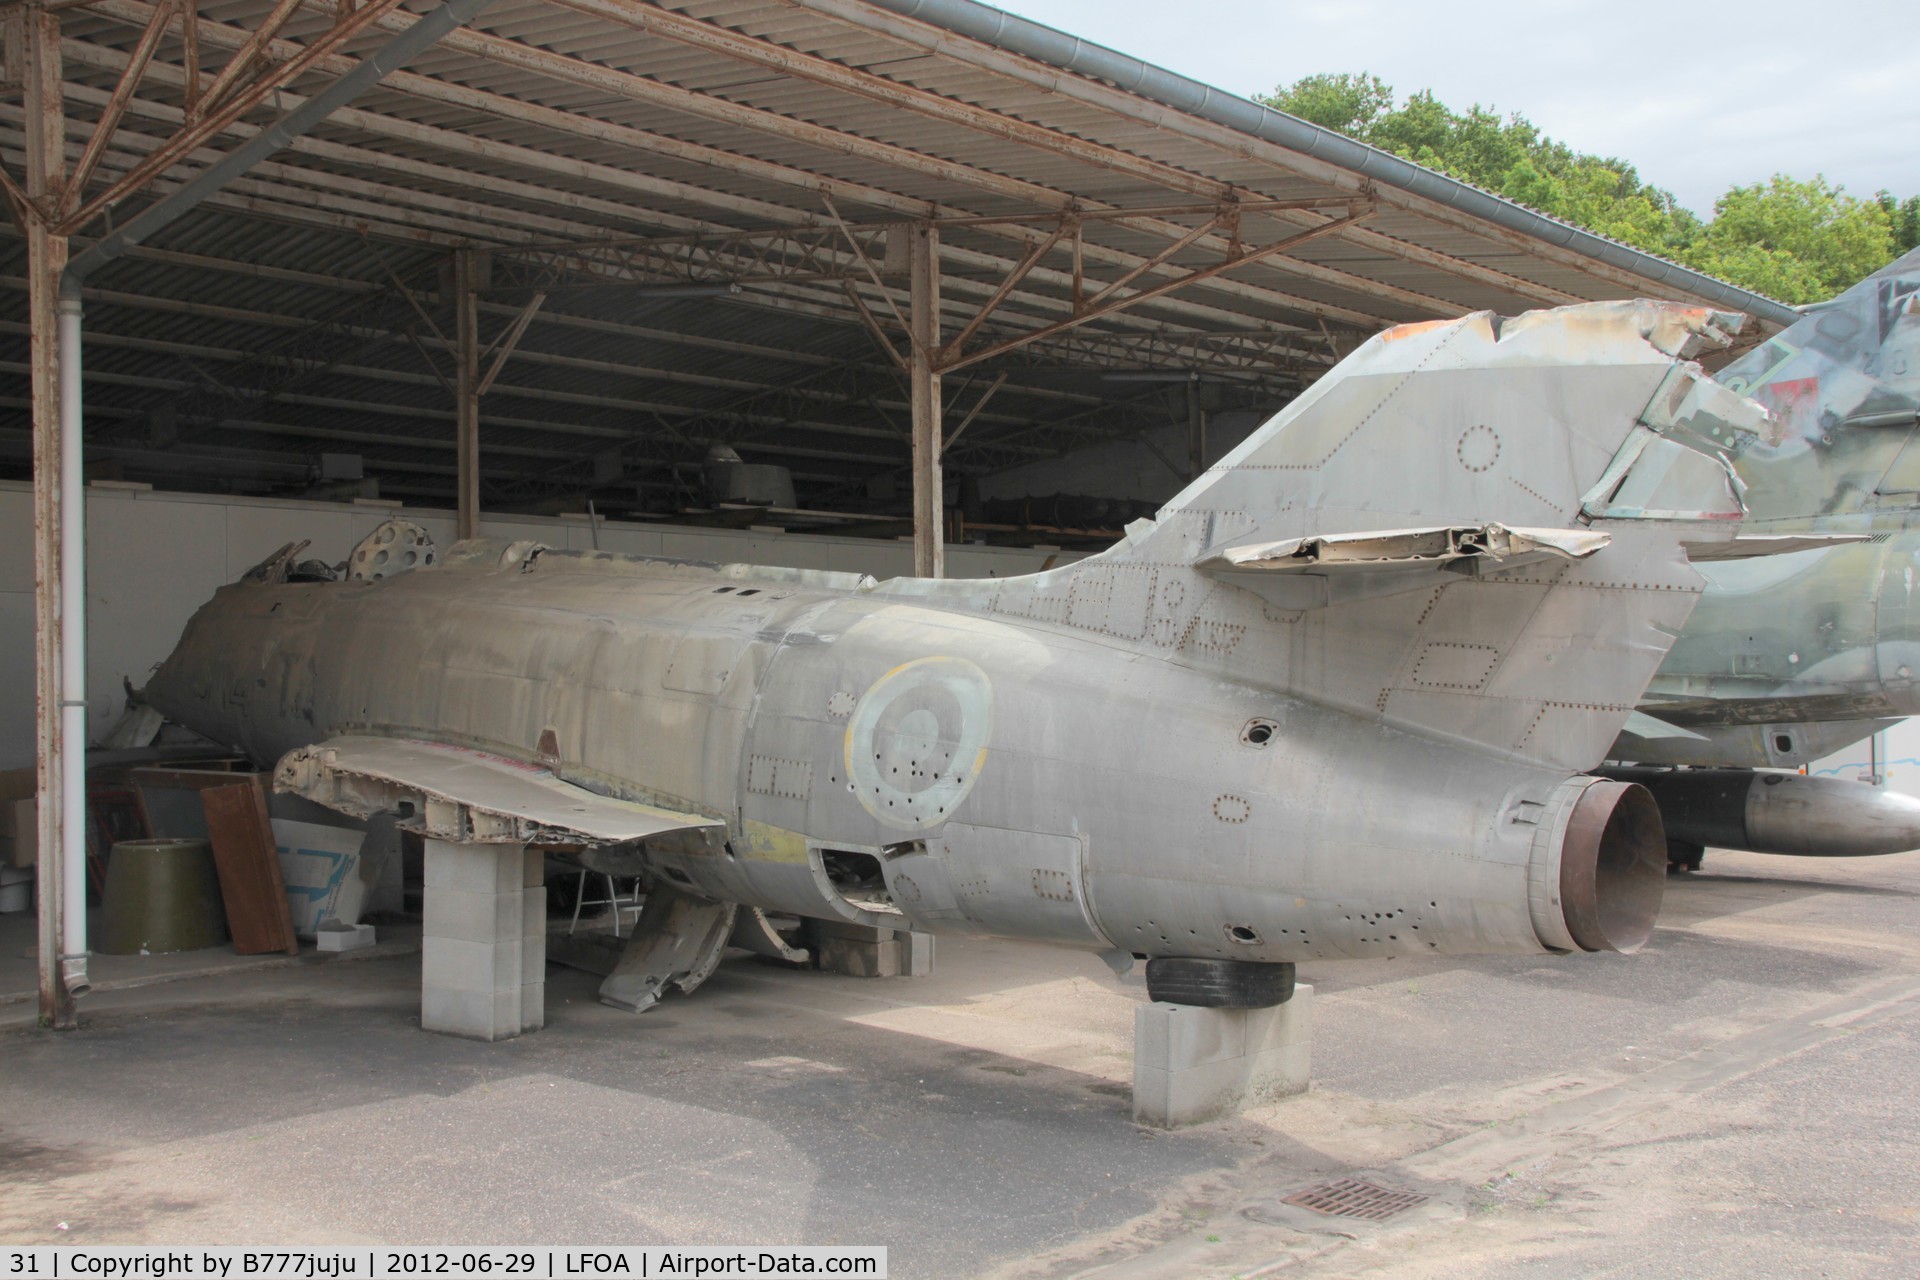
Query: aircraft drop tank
(1765, 812)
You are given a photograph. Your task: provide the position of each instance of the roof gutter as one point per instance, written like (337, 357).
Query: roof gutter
(1029, 39)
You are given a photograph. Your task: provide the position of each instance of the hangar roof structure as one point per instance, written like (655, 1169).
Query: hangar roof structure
(682, 226)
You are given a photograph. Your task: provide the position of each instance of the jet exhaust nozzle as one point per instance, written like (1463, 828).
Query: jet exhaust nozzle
(1788, 813)
(1613, 867)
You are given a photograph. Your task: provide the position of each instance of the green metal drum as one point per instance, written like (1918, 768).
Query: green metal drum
(162, 895)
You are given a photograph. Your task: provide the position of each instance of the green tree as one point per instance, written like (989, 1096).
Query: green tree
(1904, 217)
(1796, 241)
(1348, 104)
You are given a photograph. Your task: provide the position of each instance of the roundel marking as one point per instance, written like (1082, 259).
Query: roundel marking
(1478, 448)
(917, 740)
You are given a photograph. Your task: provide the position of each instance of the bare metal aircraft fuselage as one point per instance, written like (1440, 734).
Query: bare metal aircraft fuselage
(1071, 788)
(1338, 700)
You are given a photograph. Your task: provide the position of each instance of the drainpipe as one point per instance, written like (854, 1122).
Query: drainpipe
(396, 53)
(73, 665)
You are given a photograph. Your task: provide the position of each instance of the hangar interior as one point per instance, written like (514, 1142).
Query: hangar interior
(797, 281)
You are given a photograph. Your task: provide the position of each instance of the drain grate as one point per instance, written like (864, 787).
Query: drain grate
(1352, 1198)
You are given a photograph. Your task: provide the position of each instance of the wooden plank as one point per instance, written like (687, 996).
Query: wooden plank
(243, 852)
(171, 796)
(192, 777)
(114, 813)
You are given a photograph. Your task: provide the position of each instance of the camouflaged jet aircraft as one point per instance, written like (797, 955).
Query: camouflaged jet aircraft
(1792, 657)
(1340, 698)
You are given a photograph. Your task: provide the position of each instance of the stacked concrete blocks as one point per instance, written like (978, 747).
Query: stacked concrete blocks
(1192, 1064)
(484, 945)
(857, 950)
(862, 951)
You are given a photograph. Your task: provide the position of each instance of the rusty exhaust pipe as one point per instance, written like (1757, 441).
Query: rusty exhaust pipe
(1613, 867)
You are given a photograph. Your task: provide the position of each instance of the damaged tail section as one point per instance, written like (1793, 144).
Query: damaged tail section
(1842, 387)
(1472, 529)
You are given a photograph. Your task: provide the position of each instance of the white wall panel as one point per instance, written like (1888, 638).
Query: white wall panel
(16, 677)
(153, 558)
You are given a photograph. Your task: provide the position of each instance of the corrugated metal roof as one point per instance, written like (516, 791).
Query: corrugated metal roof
(303, 308)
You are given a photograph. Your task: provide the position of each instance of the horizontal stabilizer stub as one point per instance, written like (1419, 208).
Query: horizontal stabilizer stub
(1408, 548)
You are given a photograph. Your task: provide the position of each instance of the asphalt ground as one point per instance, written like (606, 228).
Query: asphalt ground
(1739, 1099)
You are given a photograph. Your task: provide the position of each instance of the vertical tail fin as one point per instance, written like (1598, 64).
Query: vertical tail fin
(1843, 388)
(1470, 529)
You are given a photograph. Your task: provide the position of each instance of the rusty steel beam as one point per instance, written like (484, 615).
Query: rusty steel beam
(1206, 315)
(753, 257)
(972, 413)
(361, 120)
(549, 425)
(466, 396)
(115, 104)
(503, 346)
(958, 221)
(45, 189)
(923, 380)
(216, 117)
(574, 71)
(1094, 309)
(1253, 353)
(708, 36)
(277, 371)
(337, 155)
(606, 79)
(226, 82)
(1007, 286)
(1236, 145)
(696, 33)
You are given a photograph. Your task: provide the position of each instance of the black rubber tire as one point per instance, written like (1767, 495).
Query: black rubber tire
(1219, 984)
(1684, 856)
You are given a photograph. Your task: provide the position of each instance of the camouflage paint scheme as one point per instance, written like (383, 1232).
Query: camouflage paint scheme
(1791, 657)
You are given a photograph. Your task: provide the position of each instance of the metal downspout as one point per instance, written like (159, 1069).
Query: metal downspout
(396, 53)
(73, 665)
(1033, 40)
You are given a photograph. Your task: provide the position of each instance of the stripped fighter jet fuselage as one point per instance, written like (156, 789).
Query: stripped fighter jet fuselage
(1338, 700)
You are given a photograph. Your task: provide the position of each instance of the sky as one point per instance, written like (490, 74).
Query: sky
(1698, 98)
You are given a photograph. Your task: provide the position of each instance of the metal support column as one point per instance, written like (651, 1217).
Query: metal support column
(929, 504)
(1196, 430)
(466, 390)
(46, 172)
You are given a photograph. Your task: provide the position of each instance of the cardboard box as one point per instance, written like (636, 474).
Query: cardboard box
(16, 888)
(19, 818)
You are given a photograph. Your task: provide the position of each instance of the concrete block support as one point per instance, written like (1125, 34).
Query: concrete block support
(857, 950)
(861, 951)
(483, 949)
(533, 942)
(1192, 1064)
(916, 954)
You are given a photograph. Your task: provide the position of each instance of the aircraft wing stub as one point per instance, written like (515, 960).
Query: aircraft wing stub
(455, 793)
(1652, 728)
